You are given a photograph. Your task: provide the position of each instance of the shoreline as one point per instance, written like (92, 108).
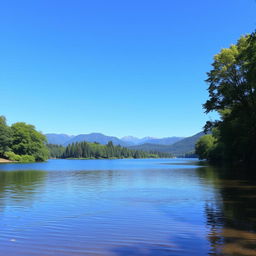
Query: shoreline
(111, 158)
(2, 160)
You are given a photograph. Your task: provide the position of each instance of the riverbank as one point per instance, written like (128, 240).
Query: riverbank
(2, 160)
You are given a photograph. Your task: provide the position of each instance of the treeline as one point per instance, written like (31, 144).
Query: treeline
(98, 151)
(21, 142)
(55, 151)
(232, 93)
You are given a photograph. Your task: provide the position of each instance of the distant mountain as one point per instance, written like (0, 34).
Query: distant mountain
(186, 145)
(97, 137)
(151, 147)
(59, 139)
(174, 145)
(135, 140)
(63, 139)
(179, 148)
(131, 139)
(165, 141)
(151, 140)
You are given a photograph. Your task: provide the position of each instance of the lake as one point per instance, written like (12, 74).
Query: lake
(126, 207)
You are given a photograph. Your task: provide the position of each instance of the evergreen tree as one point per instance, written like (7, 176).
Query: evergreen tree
(96, 150)
(5, 136)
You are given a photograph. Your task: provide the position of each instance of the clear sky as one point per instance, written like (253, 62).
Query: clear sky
(132, 67)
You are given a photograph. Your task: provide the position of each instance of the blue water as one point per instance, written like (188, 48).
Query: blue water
(117, 164)
(111, 207)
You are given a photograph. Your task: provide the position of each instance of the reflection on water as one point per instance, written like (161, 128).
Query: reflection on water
(232, 216)
(18, 187)
(126, 207)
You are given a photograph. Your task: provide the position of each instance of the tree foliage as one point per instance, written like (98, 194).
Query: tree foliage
(27, 141)
(56, 151)
(96, 150)
(204, 146)
(5, 136)
(21, 142)
(232, 83)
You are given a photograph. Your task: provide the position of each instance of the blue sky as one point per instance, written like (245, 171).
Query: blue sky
(116, 67)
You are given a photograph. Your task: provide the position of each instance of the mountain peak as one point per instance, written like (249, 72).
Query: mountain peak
(64, 139)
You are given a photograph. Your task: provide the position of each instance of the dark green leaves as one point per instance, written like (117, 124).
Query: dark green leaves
(232, 83)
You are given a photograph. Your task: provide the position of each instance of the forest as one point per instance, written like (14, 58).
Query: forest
(232, 84)
(87, 150)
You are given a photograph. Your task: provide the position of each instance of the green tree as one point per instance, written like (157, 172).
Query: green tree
(5, 136)
(27, 141)
(56, 151)
(204, 145)
(96, 150)
(232, 84)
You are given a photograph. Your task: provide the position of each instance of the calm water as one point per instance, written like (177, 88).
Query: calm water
(125, 207)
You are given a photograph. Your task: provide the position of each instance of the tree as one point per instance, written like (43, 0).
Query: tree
(96, 150)
(232, 81)
(232, 84)
(204, 145)
(5, 136)
(27, 141)
(56, 151)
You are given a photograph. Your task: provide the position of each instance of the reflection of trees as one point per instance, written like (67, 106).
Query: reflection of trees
(17, 186)
(214, 222)
(231, 216)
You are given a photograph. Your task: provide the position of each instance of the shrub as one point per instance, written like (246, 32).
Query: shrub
(22, 159)
(12, 156)
(27, 159)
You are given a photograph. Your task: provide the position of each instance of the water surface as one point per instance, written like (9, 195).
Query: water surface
(125, 207)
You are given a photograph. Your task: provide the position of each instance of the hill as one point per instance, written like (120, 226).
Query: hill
(97, 137)
(165, 141)
(186, 145)
(63, 139)
(151, 140)
(179, 148)
(136, 141)
(59, 139)
(174, 145)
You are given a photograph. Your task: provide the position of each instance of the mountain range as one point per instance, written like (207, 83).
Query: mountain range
(173, 145)
(181, 147)
(151, 140)
(64, 139)
(59, 139)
